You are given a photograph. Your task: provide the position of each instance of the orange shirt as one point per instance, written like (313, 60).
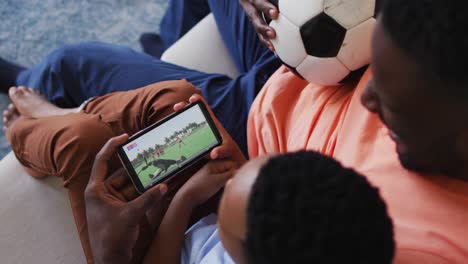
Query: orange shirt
(430, 213)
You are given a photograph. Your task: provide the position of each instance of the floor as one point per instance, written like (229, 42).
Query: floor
(31, 29)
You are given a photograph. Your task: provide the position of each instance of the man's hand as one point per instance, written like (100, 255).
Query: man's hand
(254, 9)
(229, 149)
(113, 224)
(206, 182)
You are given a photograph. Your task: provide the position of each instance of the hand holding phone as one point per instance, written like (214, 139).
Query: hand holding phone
(229, 149)
(109, 218)
(162, 150)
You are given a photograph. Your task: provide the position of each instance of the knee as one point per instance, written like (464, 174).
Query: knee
(71, 54)
(174, 92)
(158, 100)
(183, 92)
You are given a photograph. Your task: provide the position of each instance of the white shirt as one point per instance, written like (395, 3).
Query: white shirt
(202, 244)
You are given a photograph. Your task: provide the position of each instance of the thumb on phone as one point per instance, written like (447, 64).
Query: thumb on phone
(99, 170)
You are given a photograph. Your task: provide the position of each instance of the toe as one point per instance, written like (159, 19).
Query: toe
(13, 109)
(12, 91)
(33, 90)
(22, 90)
(16, 94)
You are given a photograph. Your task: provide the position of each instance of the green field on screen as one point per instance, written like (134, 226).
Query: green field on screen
(194, 143)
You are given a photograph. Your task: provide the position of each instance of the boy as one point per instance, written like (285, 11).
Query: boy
(293, 208)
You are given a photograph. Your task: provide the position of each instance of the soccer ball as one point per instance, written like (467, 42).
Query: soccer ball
(324, 41)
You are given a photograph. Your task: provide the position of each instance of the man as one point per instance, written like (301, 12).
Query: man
(180, 141)
(157, 153)
(417, 95)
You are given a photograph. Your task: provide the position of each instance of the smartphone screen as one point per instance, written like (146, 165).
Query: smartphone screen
(170, 145)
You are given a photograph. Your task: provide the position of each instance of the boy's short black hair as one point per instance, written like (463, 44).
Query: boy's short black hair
(433, 32)
(306, 208)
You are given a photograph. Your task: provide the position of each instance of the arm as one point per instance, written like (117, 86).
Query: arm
(113, 225)
(167, 244)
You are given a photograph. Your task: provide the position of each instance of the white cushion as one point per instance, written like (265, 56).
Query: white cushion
(37, 225)
(211, 56)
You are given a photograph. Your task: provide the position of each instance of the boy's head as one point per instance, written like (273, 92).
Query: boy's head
(420, 85)
(303, 208)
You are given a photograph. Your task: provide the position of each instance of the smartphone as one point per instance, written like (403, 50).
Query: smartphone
(166, 148)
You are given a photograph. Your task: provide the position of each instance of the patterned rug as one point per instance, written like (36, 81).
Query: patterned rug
(31, 29)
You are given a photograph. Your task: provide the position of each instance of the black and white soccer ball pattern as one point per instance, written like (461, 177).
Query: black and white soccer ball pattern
(325, 41)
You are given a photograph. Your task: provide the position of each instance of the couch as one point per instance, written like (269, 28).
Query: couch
(37, 225)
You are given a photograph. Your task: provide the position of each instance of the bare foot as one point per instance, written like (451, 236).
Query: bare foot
(30, 103)
(10, 116)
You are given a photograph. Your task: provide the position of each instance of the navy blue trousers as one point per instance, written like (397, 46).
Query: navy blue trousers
(74, 73)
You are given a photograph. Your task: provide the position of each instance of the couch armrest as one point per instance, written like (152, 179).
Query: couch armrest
(36, 218)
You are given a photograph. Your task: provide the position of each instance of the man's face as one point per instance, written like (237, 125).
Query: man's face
(424, 126)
